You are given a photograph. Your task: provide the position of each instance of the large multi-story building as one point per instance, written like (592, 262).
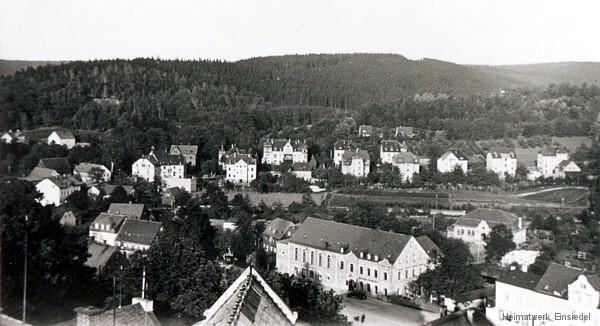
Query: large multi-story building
(408, 165)
(562, 296)
(56, 189)
(346, 257)
(278, 151)
(159, 164)
(451, 160)
(239, 166)
(389, 149)
(189, 152)
(356, 163)
(277, 230)
(502, 161)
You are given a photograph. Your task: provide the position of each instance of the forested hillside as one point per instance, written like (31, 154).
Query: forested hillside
(9, 67)
(147, 102)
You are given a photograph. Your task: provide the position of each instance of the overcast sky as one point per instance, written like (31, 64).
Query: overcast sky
(462, 31)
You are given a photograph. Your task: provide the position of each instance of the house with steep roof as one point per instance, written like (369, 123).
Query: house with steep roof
(502, 161)
(249, 300)
(189, 152)
(137, 235)
(239, 166)
(356, 163)
(475, 226)
(549, 157)
(407, 132)
(39, 174)
(276, 230)
(56, 189)
(346, 257)
(128, 209)
(68, 218)
(59, 164)
(11, 136)
(62, 137)
(139, 313)
(100, 255)
(564, 169)
(390, 148)
(105, 227)
(339, 148)
(451, 160)
(567, 295)
(158, 164)
(108, 190)
(87, 172)
(368, 131)
(169, 196)
(278, 151)
(408, 165)
(303, 170)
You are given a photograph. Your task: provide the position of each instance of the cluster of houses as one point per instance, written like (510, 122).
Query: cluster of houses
(57, 136)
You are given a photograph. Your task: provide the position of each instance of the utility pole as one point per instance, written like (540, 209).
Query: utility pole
(114, 296)
(433, 215)
(25, 273)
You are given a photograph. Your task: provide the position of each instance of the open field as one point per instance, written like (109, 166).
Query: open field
(388, 198)
(283, 198)
(571, 196)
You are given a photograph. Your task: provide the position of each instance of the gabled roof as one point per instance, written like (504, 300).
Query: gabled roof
(392, 146)
(348, 156)
(184, 149)
(302, 166)
(109, 219)
(404, 130)
(63, 134)
(87, 167)
(129, 210)
(236, 157)
(469, 222)
(99, 254)
(60, 164)
(249, 301)
(405, 157)
(278, 228)
(109, 189)
(138, 231)
(491, 216)
(277, 144)
(517, 278)
(344, 145)
(127, 315)
(368, 129)
(563, 164)
(556, 280)
(552, 150)
(64, 182)
(38, 174)
(160, 158)
(429, 246)
(459, 155)
(502, 152)
(332, 236)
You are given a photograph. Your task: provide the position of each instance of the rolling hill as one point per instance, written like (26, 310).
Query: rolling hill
(9, 67)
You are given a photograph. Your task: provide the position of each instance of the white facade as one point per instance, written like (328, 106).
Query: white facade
(305, 175)
(240, 172)
(7, 138)
(172, 171)
(55, 138)
(560, 172)
(276, 151)
(52, 193)
(408, 170)
(449, 161)
(547, 163)
(83, 172)
(503, 164)
(477, 233)
(511, 300)
(187, 184)
(143, 169)
(337, 155)
(358, 167)
(336, 270)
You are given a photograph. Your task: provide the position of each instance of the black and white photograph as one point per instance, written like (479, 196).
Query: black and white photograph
(299, 162)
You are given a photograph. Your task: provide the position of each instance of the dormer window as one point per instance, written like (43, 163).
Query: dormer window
(369, 256)
(376, 257)
(342, 250)
(361, 255)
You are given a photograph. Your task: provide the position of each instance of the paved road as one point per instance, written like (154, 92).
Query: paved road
(382, 313)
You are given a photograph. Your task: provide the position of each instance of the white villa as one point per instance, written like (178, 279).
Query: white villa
(277, 151)
(83, 170)
(55, 190)
(344, 257)
(356, 163)
(339, 149)
(553, 162)
(475, 226)
(239, 166)
(502, 161)
(389, 149)
(408, 164)
(62, 137)
(451, 160)
(158, 164)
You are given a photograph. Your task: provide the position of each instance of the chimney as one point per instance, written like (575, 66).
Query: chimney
(470, 313)
(520, 223)
(147, 305)
(85, 316)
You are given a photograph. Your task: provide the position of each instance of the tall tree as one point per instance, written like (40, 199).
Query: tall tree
(498, 243)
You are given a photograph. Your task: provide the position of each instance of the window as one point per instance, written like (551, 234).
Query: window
(311, 274)
(304, 256)
(406, 273)
(296, 255)
(328, 261)
(376, 289)
(399, 275)
(320, 260)
(368, 272)
(296, 270)
(341, 265)
(375, 273)
(385, 276)
(360, 270)
(414, 272)
(351, 268)
(312, 257)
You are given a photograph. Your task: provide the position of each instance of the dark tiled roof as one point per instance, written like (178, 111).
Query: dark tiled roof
(392, 146)
(342, 144)
(64, 182)
(160, 158)
(129, 210)
(64, 134)
(499, 152)
(127, 315)
(109, 219)
(429, 246)
(99, 254)
(520, 279)
(278, 144)
(491, 215)
(87, 167)
(109, 189)
(470, 222)
(457, 153)
(184, 149)
(405, 157)
(348, 156)
(329, 235)
(38, 174)
(60, 164)
(138, 231)
(278, 228)
(556, 279)
(552, 150)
